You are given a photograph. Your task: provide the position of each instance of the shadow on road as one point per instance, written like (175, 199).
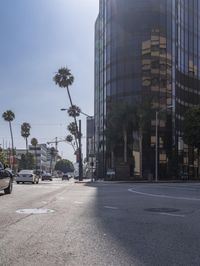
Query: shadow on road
(116, 217)
(145, 236)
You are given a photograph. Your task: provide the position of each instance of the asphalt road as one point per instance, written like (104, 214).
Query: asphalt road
(100, 224)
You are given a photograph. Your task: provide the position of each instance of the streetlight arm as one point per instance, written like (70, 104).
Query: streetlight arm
(65, 109)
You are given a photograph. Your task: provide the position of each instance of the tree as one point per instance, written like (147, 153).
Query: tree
(64, 166)
(74, 111)
(27, 161)
(73, 129)
(122, 120)
(119, 123)
(191, 129)
(2, 156)
(34, 143)
(69, 139)
(9, 116)
(25, 133)
(64, 79)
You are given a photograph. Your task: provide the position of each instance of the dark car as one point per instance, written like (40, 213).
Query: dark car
(65, 177)
(6, 180)
(47, 176)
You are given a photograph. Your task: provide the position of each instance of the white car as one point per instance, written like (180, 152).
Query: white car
(27, 176)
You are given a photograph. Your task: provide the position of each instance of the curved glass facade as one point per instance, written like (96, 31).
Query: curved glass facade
(148, 49)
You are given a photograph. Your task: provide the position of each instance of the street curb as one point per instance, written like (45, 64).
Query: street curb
(140, 182)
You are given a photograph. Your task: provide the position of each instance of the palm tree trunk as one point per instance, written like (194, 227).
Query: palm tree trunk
(112, 158)
(26, 145)
(140, 149)
(35, 159)
(12, 153)
(125, 146)
(70, 99)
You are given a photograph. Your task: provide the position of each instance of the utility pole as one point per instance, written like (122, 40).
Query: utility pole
(80, 153)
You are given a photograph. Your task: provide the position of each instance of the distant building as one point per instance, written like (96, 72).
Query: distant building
(40, 152)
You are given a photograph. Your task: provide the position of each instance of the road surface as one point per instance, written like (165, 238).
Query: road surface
(100, 224)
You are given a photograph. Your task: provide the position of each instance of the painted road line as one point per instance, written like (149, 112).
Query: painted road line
(111, 207)
(171, 214)
(34, 211)
(78, 202)
(162, 196)
(60, 198)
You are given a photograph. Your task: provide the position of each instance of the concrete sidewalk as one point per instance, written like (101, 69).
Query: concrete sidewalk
(85, 181)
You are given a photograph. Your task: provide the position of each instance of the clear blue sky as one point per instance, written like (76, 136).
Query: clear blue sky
(37, 38)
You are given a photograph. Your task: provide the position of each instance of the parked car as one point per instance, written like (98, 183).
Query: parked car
(6, 180)
(47, 176)
(65, 177)
(27, 176)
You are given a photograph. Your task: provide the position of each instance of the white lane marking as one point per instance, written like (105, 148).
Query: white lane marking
(111, 207)
(78, 202)
(171, 214)
(34, 211)
(179, 187)
(60, 198)
(162, 196)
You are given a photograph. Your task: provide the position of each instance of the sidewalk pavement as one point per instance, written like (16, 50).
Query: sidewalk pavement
(85, 181)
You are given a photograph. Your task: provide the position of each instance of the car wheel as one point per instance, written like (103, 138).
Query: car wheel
(37, 182)
(8, 190)
(33, 182)
(17, 182)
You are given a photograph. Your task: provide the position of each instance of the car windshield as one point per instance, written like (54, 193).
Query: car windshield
(26, 172)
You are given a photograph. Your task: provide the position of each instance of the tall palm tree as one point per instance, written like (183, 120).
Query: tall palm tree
(63, 78)
(34, 143)
(74, 111)
(9, 116)
(73, 129)
(25, 133)
(69, 139)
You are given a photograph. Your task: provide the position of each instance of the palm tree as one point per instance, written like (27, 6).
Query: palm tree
(120, 121)
(74, 111)
(64, 79)
(34, 143)
(9, 116)
(69, 139)
(25, 133)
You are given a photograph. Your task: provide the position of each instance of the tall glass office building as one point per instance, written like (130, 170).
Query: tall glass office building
(148, 51)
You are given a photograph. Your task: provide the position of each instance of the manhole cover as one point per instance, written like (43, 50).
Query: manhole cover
(34, 211)
(166, 210)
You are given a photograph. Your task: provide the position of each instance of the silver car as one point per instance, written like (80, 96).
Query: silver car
(27, 176)
(6, 180)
